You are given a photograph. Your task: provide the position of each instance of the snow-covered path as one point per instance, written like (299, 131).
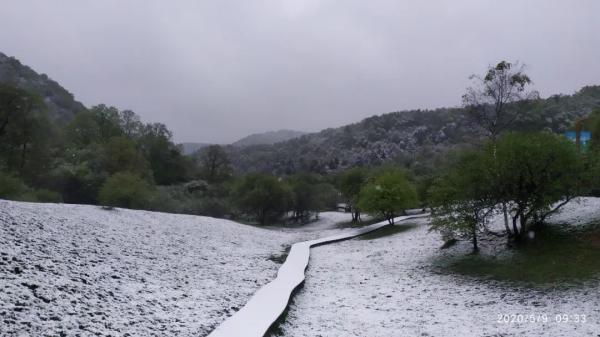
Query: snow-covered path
(265, 307)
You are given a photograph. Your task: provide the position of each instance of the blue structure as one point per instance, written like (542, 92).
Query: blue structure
(584, 138)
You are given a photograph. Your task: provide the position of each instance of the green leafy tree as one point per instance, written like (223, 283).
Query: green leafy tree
(25, 134)
(130, 124)
(125, 189)
(304, 195)
(11, 187)
(108, 122)
(539, 173)
(592, 174)
(327, 197)
(79, 173)
(82, 130)
(535, 174)
(592, 177)
(464, 197)
(388, 195)
(351, 184)
(263, 196)
(496, 100)
(12, 102)
(593, 125)
(121, 154)
(168, 165)
(215, 166)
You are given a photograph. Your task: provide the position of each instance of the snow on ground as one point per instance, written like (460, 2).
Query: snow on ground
(68, 270)
(578, 212)
(326, 221)
(387, 287)
(80, 270)
(326, 225)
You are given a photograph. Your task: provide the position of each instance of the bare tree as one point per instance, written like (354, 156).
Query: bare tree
(492, 101)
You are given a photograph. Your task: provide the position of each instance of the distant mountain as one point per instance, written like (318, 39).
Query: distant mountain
(60, 103)
(190, 148)
(415, 137)
(268, 138)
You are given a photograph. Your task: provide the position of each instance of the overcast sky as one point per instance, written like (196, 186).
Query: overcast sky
(215, 71)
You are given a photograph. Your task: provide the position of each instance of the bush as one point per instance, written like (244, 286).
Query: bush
(11, 187)
(126, 190)
(43, 195)
(14, 188)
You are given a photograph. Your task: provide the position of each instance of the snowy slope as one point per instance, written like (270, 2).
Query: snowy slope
(72, 269)
(386, 287)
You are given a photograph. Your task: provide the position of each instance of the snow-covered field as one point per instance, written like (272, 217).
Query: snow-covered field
(386, 287)
(68, 270)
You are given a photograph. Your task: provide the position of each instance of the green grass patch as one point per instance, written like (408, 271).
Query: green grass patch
(556, 257)
(386, 231)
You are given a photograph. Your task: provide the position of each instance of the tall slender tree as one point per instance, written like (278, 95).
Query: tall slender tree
(494, 102)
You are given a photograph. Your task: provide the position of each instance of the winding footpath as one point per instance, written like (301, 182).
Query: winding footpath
(264, 308)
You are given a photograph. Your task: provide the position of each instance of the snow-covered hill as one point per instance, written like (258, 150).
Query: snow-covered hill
(73, 269)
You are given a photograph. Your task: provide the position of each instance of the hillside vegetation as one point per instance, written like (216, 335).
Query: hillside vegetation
(413, 137)
(60, 104)
(103, 155)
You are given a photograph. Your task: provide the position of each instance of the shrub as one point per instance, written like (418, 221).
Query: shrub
(126, 190)
(11, 187)
(44, 195)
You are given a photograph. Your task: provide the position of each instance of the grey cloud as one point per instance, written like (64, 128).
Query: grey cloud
(215, 71)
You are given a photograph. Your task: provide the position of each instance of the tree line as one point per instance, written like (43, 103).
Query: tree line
(81, 161)
(105, 156)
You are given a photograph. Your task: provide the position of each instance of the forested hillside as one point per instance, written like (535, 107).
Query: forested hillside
(54, 149)
(415, 136)
(60, 104)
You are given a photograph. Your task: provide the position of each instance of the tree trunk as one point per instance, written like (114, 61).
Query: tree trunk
(515, 229)
(23, 146)
(506, 226)
(474, 233)
(23, 156)
(524, 226)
